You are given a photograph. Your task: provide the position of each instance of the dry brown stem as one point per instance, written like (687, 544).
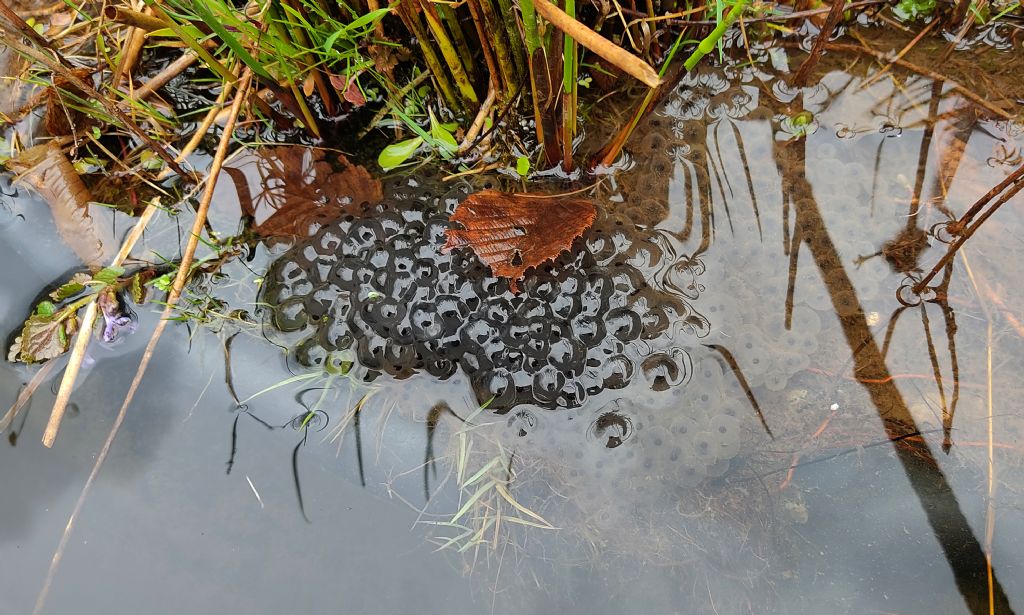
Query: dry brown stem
(593, 41)
(966, 93)
(137, 19)
(170, 72)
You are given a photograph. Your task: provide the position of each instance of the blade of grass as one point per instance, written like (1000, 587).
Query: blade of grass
(473, 499)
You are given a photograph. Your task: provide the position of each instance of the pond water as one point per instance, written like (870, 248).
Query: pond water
(713, 403)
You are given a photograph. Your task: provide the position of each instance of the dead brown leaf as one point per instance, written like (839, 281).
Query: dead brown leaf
(513, 232)
(298, 187)
(83, 226)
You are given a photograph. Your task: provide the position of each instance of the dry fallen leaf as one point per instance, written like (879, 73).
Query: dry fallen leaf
(297, 188)
(85, 227)
(513, 232)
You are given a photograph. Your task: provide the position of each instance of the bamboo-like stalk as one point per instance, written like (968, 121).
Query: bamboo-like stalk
(535, 55)
(159, 80)
(515, 39)
(493, 72)
(81, 342)
(448, 51)
(502, 54)
(593, 41)
(430, 58)
(129, 55)
(449, 16)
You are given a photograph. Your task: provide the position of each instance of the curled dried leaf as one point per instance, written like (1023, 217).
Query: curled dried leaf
(513, 232)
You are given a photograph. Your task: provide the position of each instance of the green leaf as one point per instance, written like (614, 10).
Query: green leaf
(397, 153)
(43, 338)
(108, 275)
(329, 43)
(204, 13)
(368, 19)
(909, 10)
(72, 287)
(523, 166)
(163, 283)
(138, 289)
(45, 309)
(445, 141)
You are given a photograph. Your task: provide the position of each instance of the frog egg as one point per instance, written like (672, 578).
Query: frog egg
(795, 362)
(727, 430)
(708, 374)
(776, 378)
(717, 469)
(806, 321)
(705, 445)
(750, 350)
(689, 470)
(684, 427)
(657, 439)
(290, 315)
(310, 353)
(702, 402)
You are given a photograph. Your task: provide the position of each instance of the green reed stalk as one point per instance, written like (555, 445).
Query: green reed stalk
(451, 56)
(707, 44)
(515, 40)
(530, 26)
(298, 35)
(570, 70)
(458, 37)
(534, 56)
(429, 55)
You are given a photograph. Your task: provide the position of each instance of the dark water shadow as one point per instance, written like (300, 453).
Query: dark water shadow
(961, 547)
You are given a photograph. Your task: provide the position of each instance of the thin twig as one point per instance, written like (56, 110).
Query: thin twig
(834, 15)
(172, 301)
(89, 317)
(26, 394)
(966, 93)
(478, 122)
(899, 56)
(1015, 182)
(170, 72)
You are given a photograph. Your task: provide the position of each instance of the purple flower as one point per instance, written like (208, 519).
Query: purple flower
(114, 317)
